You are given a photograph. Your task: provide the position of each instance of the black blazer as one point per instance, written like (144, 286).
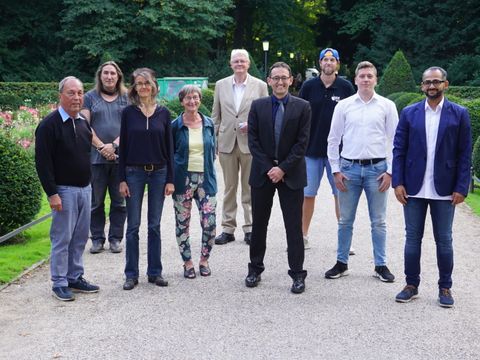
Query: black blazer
(293, 141)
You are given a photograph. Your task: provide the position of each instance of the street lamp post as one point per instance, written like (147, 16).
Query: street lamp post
(265, 45)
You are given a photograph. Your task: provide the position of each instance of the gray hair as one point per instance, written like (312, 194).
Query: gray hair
(436, 68)
(189, 89)
(61, 84)
(236, 52)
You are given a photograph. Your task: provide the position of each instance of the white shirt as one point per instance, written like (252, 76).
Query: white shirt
(365, 128)
(432, 121)
(238, 91)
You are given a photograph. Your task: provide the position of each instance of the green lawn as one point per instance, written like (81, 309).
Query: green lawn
(17, 257)
(473, 200)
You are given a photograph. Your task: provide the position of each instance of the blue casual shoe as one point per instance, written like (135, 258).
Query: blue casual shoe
(82, 285)
(63, 293)
(408, 293)
(445, 298)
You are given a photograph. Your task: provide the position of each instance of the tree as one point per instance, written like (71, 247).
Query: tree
(397, 76)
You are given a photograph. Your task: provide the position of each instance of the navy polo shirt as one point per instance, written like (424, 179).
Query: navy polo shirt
(323, 101)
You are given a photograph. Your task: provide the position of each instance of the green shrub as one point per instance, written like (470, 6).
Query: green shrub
(397, 76)
(20, 191)
(406, 99)
(474, 111)
(207, 98)
(476, 158)
(464, 92)
(394, 96)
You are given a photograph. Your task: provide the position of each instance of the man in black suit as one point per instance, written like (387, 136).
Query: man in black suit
(278, 130)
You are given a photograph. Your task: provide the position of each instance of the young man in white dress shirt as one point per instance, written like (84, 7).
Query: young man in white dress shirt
(365, 124)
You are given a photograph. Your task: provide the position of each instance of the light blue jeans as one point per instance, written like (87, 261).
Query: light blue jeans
(69, 234)
(362, 177)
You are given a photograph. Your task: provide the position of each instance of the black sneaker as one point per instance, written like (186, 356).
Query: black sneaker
(157, 280)
(63, 293)
(445, 298)
(340, 269)
(224, 238)
(82, 285)
(384, 274)
(97, 247)
(408, 293)
(115, 247)
(130, 284)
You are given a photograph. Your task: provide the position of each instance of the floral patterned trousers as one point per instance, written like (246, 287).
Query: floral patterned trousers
(183, 209)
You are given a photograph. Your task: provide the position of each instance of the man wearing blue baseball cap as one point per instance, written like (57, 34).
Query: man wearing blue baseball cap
(323, 93)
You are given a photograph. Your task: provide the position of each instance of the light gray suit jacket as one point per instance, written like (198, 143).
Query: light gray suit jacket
(227, 119)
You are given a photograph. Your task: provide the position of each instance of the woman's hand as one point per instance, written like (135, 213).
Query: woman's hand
(169, 189)
(124, 191)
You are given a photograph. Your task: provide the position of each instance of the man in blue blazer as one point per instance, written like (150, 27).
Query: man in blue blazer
(431, 168)
(278, 131)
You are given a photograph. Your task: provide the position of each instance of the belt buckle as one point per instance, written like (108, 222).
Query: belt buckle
(275, 162)
(149, 167)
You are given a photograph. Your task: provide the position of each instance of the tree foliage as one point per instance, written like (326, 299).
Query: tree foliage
(397, 76)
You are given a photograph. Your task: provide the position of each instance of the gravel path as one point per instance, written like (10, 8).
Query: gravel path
(354, 317)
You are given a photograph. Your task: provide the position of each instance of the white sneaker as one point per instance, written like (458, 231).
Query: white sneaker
(306, 245)
(352, 251)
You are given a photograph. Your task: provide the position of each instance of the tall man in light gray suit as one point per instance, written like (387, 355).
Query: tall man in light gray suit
(233, 97)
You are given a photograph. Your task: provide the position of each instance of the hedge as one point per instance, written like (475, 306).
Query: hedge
(394, 96)
(464, 92)
(15, 94)
(20, 191)
(474, 111)
(176, 108)
(476, 158)
(406, 99)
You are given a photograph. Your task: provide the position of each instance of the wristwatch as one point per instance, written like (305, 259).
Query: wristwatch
(115, 146)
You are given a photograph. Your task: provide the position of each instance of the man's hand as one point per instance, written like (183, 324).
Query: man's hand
(55, 202)
(401, 194)
(457, 198)
(108, 152)
(123, 189)
(386, 180)
(339, 181)
(276, 174)
(169, 189)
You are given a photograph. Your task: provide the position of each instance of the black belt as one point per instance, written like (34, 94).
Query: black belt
(365, 161)
(149, 167)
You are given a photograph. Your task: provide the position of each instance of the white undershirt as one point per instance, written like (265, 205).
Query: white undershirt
(238, 92)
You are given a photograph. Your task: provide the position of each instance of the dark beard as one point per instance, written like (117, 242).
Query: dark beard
(437, 95)
(107, 92)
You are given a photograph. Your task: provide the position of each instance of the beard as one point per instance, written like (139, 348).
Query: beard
(437, 94)
(108, 92)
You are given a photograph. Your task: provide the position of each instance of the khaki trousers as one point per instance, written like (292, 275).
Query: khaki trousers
(231, 164)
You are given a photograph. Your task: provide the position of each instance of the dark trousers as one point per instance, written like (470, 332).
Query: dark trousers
(291, 202)
(441, 212)
(105, 176)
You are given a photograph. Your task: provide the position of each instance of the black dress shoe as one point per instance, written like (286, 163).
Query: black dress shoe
(130, 284)
(252, 280)
(298, 286)
(224, 238)
(248, 238)
(158, 280)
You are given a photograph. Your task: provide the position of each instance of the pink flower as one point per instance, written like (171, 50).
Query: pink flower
(25, 143)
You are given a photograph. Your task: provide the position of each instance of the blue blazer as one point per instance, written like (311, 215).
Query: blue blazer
(452, 154)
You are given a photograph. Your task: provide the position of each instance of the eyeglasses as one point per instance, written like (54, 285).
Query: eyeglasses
(280, 78)
(433, 82)
(194, 98)
(143, 84)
